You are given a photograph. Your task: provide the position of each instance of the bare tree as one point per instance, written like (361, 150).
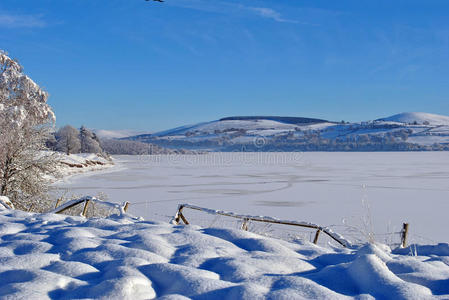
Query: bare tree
(89, 141)
(25, 120)
(113, 147)
(68, 140)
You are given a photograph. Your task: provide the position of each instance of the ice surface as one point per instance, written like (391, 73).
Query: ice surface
(355, 194)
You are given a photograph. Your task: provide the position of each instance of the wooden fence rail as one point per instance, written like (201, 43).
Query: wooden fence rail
(86, 200)
(335, 236)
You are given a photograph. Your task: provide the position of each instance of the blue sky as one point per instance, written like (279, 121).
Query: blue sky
(132, 64)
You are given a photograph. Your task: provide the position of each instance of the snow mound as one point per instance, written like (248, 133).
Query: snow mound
(81, 163)
(418, 117)
(63, 257)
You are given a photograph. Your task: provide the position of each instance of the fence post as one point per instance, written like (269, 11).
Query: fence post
(404, 234)
(183, 219)
(246, 219)
(86, 204)
(125, 208)
(179, 216)
(317, 234)
(245, 224)
(58, 202)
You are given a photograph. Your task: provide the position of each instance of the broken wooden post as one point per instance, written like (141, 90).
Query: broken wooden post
(125, 208)
(179, 216)
(245, 224)
(58, 202)
(183, 219)
(176, 219)
(404, 234)
(317, 234)
(86, 204)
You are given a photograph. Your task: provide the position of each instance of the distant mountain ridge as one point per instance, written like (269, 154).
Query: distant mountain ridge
(287, 120)
(401, 132)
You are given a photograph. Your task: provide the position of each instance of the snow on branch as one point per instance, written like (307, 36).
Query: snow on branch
(6, 203)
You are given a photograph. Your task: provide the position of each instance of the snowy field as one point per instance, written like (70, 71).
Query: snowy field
(353, 193)
(47, 256)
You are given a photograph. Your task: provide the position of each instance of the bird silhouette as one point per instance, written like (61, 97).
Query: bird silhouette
(156, 0)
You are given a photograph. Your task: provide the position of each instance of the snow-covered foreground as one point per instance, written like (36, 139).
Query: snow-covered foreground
(353, 193)
(61, 257)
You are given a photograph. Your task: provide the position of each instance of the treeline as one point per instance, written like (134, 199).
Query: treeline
(391, 141)
(71, 140)
(305, 141)
(127, 147)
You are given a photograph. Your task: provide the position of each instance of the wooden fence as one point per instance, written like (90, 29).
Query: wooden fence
(86, 200)
(245, 218)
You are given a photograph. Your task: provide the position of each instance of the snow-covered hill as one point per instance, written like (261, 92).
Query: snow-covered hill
(403, 132)
(260, 125)
(115, 134)
(418, 118)
(47, 256)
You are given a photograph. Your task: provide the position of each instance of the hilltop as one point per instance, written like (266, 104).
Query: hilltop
(418, 118)
(401, 132)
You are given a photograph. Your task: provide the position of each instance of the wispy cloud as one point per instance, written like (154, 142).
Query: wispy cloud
(21, 21)
(233, 8)
(269, 13)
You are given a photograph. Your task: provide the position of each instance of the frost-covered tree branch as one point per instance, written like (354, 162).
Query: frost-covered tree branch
(89, 141)
(68, 140)
(25, 123)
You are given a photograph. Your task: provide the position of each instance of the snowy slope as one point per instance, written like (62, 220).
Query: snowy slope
(223, 125)
(402, 132)
(115, 134)
(418, 117)
(47, 256)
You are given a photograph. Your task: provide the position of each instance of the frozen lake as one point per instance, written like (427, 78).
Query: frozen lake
(369, 191)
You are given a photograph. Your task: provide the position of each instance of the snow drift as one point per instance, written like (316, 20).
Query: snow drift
(46, 256)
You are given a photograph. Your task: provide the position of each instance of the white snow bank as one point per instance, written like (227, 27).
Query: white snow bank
(82, 162)
(63, 257)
